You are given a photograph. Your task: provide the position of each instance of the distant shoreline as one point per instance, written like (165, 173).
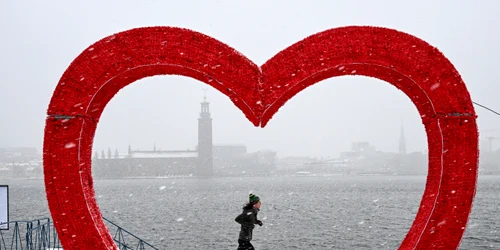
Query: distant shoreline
(257, 176)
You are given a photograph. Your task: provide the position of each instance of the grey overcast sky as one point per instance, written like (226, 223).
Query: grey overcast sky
(39, 39)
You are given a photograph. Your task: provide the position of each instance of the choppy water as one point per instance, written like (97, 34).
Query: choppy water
(357, 212)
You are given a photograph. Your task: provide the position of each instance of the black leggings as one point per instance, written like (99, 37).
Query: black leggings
(245, 245)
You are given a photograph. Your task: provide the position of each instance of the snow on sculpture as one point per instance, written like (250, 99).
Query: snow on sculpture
(407, 62)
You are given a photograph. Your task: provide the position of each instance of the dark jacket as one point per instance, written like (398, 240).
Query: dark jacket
(247, 219)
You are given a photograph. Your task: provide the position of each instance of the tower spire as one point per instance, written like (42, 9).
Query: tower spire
(205, 106)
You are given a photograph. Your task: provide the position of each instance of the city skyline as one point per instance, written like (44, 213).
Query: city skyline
(205, 113)
(112, 152)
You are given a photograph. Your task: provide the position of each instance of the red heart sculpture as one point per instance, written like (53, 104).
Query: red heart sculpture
(410, 64)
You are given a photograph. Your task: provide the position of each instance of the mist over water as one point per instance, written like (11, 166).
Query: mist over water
(338, 212)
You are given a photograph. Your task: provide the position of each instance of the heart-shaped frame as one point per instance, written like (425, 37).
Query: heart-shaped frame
(409, 63)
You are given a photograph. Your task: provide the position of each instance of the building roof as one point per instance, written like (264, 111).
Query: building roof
(229, 145)
(164, 154)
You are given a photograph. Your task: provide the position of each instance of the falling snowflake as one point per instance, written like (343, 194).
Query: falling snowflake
(435, 86)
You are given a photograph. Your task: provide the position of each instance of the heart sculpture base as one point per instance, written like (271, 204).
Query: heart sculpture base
(408, 63)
